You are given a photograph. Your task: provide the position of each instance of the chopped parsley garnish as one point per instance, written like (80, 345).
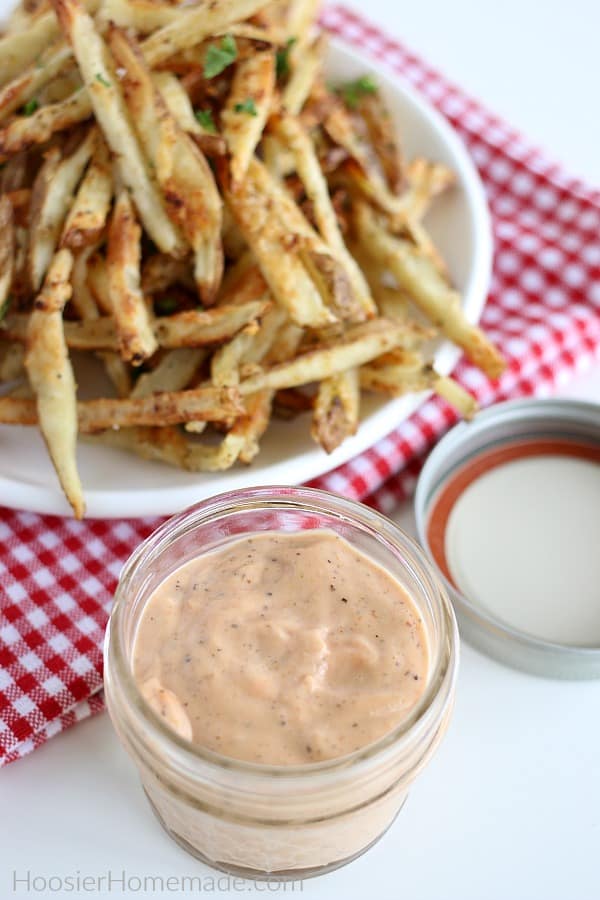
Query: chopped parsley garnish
(30, 107)
(164, 306)
(282, 60)
(248, 107)
(354, 90)
(5, 307)
(205, 117)
(100, 77)
(219, 57)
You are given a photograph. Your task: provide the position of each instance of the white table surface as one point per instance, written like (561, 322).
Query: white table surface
(510, 806)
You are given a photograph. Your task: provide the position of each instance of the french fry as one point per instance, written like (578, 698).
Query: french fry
(52, 196)
(288, 281)
(97, 282)
(27, 84)
(160, 271)
(144, 16)
(170, 446)
(136, 338)
(106, 98)
(166, 408)
(172, 373)
(191, 197)
(87, 217)
(415, 272)
(82, 300)
(245, 114)
(180, 107)
(51, 377)
(7, 253)
(12, 361)
(196, 23)
(384, 140)
(309, 170)
(336, 410)
(23, 47)
(306, 68)
(193, 328)
(203, 327)
(26, 131)
(358, 345)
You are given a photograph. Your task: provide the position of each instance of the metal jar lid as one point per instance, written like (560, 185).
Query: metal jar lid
(508, 511)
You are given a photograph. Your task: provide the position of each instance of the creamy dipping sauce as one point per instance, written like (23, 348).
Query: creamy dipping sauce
(281, 648)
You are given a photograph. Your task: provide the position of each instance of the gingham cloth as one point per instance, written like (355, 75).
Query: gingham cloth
(57, 576)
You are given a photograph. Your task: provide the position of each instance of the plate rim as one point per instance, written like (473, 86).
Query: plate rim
(312, 463)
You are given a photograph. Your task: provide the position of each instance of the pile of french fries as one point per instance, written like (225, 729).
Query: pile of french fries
(184, 196)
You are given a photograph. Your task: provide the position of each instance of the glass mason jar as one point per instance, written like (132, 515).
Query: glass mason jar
(280, 821)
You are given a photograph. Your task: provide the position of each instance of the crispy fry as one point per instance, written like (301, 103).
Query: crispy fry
(25, 131)
(12, 361)
(104, 93)
(7, 253)
(27, 84)
(201, 328)
(194, 328)
(383, 139)
(440, 303)
(357, 346)
(160, 271)
(289, 282)
(173, 373)
(196, 23)
(82, 300)
(52, 193)
(51, 377)
(136, 338)
(87, 216)
(336, 410)
(246, 110)
(166, 408)
(306, 68)
(187, 183)
(315, 185)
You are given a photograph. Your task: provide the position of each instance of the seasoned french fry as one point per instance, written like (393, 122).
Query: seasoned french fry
(416, 273)
(166, 408)
(173, 372)
(336, 411)
(289, 282)
(383, 139)
(201, 328)
(144, 16)
(357, 346)
(25, 131)
(23, 47)
(187, 183)
(87, 216)
(247, 108)
(12, 361)
(104, 93)
(51, 377)
(82, 300)
(7, 253)
(160, 271)
(315, 185)
(306, 68)
(27, 84)
(52, 195)
(194, 328)
(195, 23)
(136, 338)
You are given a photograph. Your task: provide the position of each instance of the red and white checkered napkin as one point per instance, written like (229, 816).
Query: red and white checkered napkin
(57, 576)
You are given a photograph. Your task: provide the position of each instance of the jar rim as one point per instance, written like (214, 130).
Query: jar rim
(314, 500)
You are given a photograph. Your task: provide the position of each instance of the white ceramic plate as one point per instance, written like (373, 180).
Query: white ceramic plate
(118, 484)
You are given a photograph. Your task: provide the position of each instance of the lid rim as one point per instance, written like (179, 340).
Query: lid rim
(483, 630)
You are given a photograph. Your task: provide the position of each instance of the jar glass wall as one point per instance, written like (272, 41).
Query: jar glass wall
(251, 819)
